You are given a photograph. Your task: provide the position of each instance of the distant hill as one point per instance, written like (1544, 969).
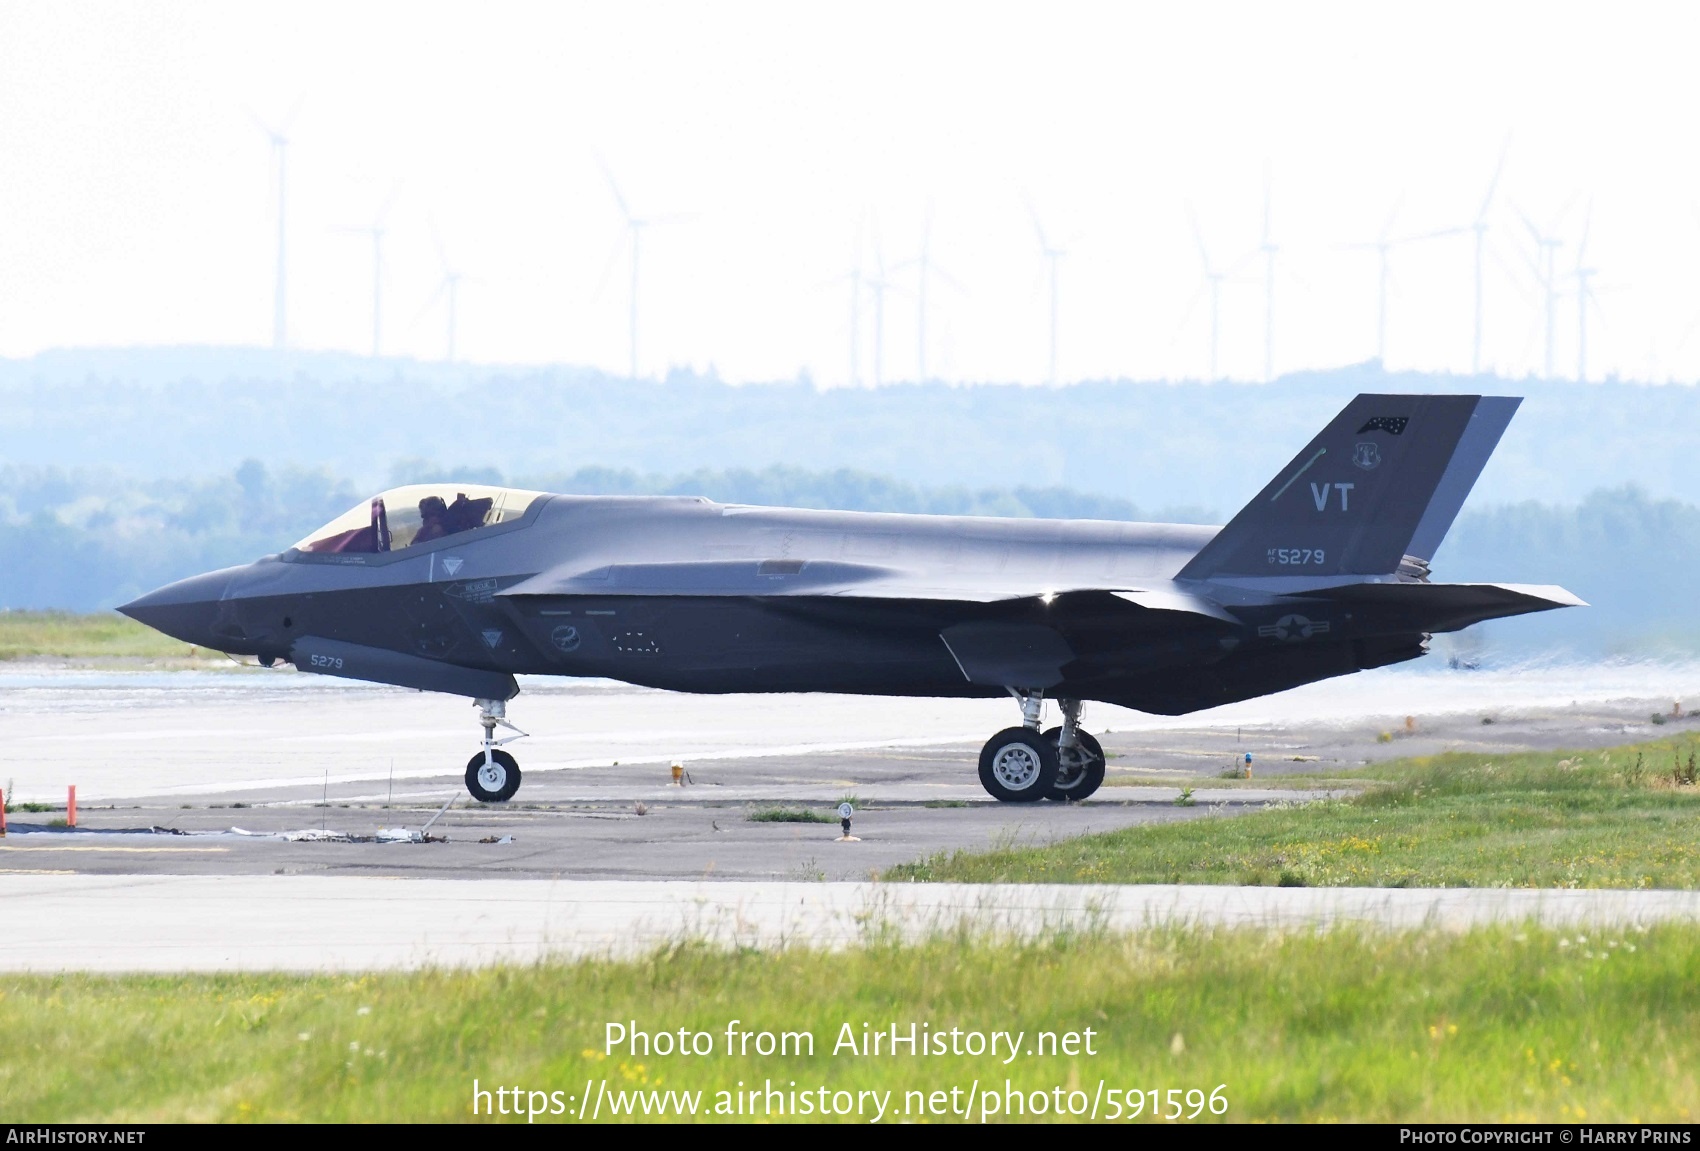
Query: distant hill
(187, 411)
(123, 468)
(88, 539)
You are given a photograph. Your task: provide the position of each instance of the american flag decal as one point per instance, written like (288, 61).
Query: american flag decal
(1392, 425)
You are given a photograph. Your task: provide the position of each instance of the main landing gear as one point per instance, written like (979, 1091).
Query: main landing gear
(1024, 765)
(492, 776)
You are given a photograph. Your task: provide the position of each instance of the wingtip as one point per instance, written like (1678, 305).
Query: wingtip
(1551, 593)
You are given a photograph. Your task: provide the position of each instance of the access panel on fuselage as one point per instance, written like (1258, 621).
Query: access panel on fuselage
(727, 644)
(461, 622)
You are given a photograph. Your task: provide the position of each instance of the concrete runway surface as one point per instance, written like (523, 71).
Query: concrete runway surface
(254, 923)
(199, 735)
(211, 754)
(231, 762)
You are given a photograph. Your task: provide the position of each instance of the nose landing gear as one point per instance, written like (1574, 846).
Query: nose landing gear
(493, 776)
(1024, 765)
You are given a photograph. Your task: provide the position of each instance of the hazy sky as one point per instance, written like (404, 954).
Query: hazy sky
(783, 145)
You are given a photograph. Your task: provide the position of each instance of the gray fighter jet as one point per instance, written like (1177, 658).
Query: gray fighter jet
(457, 587)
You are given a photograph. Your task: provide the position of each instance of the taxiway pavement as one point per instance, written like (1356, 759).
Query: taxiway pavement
(249, 735)
(300, 923)
(190, 784)
(209, 753)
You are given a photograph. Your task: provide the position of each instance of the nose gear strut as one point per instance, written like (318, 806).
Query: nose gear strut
(493, 775)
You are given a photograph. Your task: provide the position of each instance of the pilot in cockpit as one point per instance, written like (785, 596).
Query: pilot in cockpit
(438, 518)
(434, 519)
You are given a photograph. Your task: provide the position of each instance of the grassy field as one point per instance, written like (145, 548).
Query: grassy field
(1619, 818)
(789, 815)
(1503, 1023)
(102, 635)
(1218, 782)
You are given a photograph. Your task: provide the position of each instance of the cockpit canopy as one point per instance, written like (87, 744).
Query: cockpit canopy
(418, 514)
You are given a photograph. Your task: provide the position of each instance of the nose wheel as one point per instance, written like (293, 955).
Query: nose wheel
(493, 779)
(493, 776)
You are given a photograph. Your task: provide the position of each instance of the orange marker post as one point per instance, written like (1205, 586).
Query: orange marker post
(71, 808)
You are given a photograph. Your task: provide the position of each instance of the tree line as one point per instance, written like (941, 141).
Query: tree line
(88, 539)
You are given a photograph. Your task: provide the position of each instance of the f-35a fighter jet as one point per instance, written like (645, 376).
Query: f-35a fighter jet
(457, 587)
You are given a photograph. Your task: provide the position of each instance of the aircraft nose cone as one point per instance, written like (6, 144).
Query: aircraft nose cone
(189, 610)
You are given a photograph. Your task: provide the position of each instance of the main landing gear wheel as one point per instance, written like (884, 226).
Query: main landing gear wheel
(1018, 765)
(1080, 772)
(495, 780)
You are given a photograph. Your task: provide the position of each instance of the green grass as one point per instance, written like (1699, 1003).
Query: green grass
(1503, 1023)
(788, 815)
(1337, 778)
(1619, 818)
(102, 635)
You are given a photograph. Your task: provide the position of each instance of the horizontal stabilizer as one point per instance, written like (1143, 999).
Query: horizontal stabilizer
(1440, 607)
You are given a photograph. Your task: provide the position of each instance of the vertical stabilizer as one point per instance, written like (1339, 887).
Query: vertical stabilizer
(1382, 481)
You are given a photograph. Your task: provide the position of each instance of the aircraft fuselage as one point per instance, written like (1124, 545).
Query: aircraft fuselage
(457, 588)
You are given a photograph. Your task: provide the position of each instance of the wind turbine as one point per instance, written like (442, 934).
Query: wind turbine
(879, 285)
(922, 262)
(1480, 227)
(1212, 283)
(858, 282)
(280, 290)
(1584, 296)
(376, 231)
(855, 279)
(1051, 255)
(1382, 247)
(925, 268)
(1545, 268)
(635, 226)
(448, 286)
(1268, 249)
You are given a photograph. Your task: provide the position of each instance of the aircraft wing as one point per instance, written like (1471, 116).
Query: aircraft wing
(987, 648)
(838, 578)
